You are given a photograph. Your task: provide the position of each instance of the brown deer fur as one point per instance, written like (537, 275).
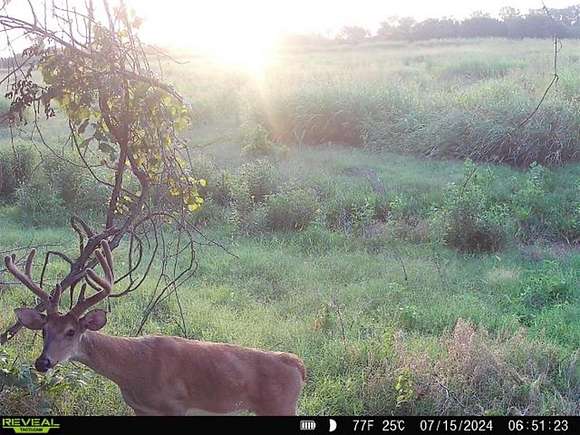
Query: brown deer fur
(161, 375)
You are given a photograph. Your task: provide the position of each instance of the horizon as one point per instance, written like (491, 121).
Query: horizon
(246, 34)
(272, 20)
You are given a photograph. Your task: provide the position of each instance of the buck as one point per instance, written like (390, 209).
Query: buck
(159, 375)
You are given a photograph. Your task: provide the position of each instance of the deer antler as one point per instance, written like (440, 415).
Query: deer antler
(105, 259)
(26, 276)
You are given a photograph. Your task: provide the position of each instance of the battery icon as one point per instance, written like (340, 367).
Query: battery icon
(307, 425)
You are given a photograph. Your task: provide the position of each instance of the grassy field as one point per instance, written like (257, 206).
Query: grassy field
(409, 280)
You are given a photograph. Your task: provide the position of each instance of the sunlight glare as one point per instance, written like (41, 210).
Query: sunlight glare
(250, 52)
(237, 34)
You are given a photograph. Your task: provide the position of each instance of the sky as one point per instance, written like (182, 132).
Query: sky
(244, 31)
(192, 19)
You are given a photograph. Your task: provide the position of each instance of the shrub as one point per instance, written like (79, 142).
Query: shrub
(204, 168)
(221, 188)
(409, 208)
(248, 191)
(40, 204)
(57, 189)
(313, 114)
(477, 122)
(246, 215)
(350, 212)
(529, 204)
(482, 126)
(470, 219)
(75, 187)
(219, 184)
(257, 143)
(16, 167)
(541, 211)
(291, 211)
(260, 179)
(211, 212)
(23, 389)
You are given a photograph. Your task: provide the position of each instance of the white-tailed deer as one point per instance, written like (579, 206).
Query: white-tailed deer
(160, 375)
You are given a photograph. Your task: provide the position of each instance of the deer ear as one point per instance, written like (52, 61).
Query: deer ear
(94, 320)
(30, 318)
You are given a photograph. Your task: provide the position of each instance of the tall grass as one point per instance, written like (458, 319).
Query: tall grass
(480, 120)
(459, 100)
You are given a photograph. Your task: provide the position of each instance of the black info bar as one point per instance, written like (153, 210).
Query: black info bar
(289, 425)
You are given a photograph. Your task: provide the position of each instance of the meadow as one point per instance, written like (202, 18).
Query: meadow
(384, 216)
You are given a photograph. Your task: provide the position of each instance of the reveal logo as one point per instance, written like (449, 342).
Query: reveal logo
(29, 425)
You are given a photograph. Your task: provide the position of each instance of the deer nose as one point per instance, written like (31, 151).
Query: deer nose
(42, 364)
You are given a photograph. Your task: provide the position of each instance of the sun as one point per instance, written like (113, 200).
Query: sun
(249, 51)
(238, 34)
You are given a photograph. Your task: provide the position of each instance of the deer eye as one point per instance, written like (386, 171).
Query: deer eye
(70, 333)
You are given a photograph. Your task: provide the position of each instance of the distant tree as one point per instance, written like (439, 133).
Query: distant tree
(481, 25)
(507, 13)
(513, 22)
(480, 14)
(436, 28)
(510, 23)
(388, 28)
(406, 26)
(353, 34)
(539, 25)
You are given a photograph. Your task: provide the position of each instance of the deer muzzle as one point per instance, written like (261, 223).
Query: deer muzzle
(42, 364)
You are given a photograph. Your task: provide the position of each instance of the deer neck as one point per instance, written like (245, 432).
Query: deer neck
(107, 355)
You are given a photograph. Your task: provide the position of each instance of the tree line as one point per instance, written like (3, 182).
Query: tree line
(510, 23)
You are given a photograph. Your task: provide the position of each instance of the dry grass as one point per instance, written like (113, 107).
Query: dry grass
(480, 375)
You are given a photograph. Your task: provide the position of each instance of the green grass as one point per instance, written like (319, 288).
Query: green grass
(386, 318)
(283, 291)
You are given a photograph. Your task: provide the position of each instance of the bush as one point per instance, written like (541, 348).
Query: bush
(210, 212)
(57, 189)
(221, 188)
(260, 179)
(40, 204)
(471, 219)
(203, 168)
(313, 114)
(219, 182)
(75, 187)
(246, 215)
(291, 211)
(543, 212)
(16, 168)
(257, 143)
(24, 390)
(350, 212)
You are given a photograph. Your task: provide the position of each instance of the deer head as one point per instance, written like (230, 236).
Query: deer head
(62, 333)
